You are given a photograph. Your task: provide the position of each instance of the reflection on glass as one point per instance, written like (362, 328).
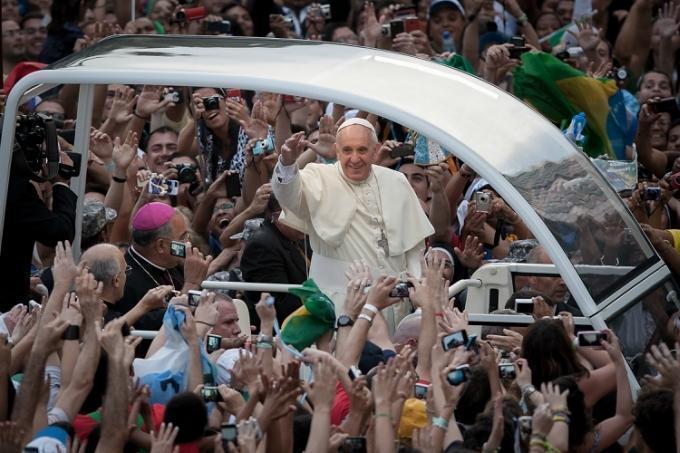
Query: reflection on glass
(586, 219)
(648, 321)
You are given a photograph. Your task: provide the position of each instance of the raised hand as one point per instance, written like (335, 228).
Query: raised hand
(195, 265)
(237, 111)
(324, 144)
(64, 269)
(667, 20)
(256, 125)
(588, 36)
(124, 153)
(49, 335)
(508, 342)
(155, 298)
(164, 440)
(404, 43)
(661, 358)
(111, 339)
(379, 294)
(552, 396)
(123, 102)
(322, 391)
(473, 254)
(542, 421)
(151, 101)
(265, 311)
(613, 347)
(100, 144)
(292, 149)
(497, 427)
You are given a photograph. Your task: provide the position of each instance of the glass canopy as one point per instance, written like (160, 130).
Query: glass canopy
(559, 194)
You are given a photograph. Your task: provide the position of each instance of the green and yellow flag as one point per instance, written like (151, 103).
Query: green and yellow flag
(559, 91)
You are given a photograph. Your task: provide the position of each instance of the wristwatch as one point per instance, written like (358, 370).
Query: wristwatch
(527, 390)
(344, 321)
(264, 339)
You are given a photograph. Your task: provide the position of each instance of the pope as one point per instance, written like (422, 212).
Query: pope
(352, 210)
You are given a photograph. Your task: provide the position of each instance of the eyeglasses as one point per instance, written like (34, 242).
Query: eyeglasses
(127, 270)
(223, 207)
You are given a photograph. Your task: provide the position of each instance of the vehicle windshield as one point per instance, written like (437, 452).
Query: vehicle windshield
(585, 216)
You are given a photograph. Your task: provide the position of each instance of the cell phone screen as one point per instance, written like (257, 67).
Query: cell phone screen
(178, 249)
(454, 340)
(233, 185)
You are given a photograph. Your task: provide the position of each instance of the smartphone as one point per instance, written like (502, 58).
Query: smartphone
(264, 146)
(396, 27)
(213, 343)
(525, 306)
(420, 391)
(483, 202)
(233, 185)
(665, 105)
(412, 24)
(194, 298)
(229, 432)
(507, 371)
(353, 445)
(454, 340)
(178, 248)
(234, 94)
(222, 27)
(211, 394)
(652, 194)
(459, 375)
(354, 373)
(401, 289)
(403, 150)
(590, 339)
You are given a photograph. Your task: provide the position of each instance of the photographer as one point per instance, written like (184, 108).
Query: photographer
(29, 219)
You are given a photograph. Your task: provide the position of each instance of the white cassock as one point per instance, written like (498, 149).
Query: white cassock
(379, 221)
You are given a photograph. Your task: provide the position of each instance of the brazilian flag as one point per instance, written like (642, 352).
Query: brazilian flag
(314, 318)
(559, 92)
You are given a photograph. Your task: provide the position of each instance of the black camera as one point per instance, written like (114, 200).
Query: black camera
(36, 140)
(518, 47)
(186, 173)
(211, 102)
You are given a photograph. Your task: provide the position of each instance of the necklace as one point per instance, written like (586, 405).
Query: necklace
(149, 274)
(382, 241)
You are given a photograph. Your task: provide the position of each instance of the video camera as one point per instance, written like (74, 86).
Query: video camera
(36, 141)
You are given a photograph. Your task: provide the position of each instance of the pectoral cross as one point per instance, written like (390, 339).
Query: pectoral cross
(383, 244)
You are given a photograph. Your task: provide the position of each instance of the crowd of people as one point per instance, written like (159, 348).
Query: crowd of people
(188, 184)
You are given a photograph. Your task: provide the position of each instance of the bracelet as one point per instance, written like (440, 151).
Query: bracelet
(206, 323)
(365, 317)
(541, 437)
(263, 345)
(563, 412)
(117, 179)
(139, 116)
(371, 307)
(439, 314)
(440, 422)
(382, 414)
(523, 19)
(561, 418)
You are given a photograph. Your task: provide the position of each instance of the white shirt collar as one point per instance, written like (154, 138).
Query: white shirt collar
(132, 248)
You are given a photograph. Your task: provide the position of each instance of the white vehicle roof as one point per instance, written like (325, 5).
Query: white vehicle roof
(552, 185)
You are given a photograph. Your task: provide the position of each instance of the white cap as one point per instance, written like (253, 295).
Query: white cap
(360, 122)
